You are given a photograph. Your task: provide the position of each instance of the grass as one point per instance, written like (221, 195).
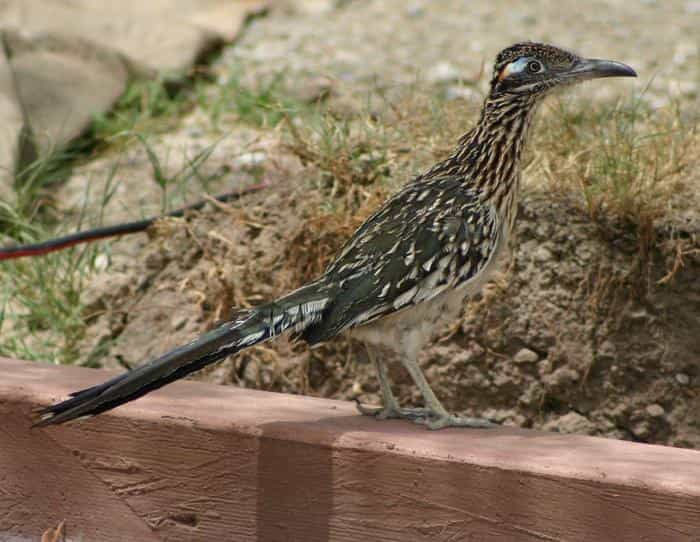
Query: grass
(147, 106)
(623, 164)
(41, 316)
(622, 161)
(264, 106)
(154, 106)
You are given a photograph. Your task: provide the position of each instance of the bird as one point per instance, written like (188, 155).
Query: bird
(409, 267)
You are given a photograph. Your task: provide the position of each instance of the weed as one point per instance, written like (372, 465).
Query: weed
(265, 105)
(621, 163)
(147, 106)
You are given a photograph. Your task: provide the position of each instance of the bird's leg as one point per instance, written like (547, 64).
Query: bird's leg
(437, 417)
(390, 408)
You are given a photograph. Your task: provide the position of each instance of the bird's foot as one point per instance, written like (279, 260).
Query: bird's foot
(394, 412)
(440, 421)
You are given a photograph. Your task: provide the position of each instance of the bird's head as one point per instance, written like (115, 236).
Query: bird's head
(533, 69)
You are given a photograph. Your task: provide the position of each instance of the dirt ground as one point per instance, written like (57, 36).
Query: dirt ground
(567, 339)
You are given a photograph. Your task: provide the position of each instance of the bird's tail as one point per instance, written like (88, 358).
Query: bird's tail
(296, 311)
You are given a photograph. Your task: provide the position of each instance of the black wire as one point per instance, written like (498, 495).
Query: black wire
(59, 243)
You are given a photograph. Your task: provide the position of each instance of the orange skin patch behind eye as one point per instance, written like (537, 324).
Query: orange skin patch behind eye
(505, 72)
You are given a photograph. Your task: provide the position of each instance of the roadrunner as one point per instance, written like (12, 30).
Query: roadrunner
(408, 267)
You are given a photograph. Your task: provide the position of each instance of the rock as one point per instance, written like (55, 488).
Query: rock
(562, 377)
(517, 420)
(371, 157)
(640, 429)
(101, 262)
(456, 92)
(498, 415)
(532, 394)
(542, 254)
(315, 90)
(683, 379)
(416, 10)
(571, 423)
(356, 387)
(655, 411)
(178, 321)
(315, 7)
(472, 376)
(443, 72)
(525, 355)
(249, 160)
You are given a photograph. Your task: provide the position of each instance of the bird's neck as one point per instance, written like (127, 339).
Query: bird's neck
(488, 156)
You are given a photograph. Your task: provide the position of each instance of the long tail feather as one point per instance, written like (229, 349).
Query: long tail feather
(295, 311)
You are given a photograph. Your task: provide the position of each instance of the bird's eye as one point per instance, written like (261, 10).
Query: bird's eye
(534, 66)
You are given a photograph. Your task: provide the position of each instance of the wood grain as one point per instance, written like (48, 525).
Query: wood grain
(197, 462)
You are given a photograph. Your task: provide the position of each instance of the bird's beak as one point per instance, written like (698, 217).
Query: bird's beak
(594, 68)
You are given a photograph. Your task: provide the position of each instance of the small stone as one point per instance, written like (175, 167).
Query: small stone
(498, 415)
(249, 160)
(655, 410)
(456, 92)
(517, 420)
(371, 157)
(416, 10)
(178, 321)
(316, 90)
(640, 429)
(683, 379)
(356, 387)
(101, 262)
(542, 254)
(572, 422)
(532, 394)
(640, 315)
(316, 7)
(525, 355)
(443, 72)
(561, 378)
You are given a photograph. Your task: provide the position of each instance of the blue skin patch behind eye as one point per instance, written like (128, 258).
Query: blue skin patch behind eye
(515, 67)
(519, 65)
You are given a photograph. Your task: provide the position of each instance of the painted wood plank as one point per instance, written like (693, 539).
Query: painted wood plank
(198, 462)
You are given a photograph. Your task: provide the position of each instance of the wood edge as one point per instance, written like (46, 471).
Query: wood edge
(335, 424)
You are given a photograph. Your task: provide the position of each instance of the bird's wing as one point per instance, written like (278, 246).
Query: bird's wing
(433, 235)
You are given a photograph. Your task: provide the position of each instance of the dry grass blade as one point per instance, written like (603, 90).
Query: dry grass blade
(629, 165)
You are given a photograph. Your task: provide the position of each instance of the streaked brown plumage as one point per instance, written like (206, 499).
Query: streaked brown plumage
(409, 266)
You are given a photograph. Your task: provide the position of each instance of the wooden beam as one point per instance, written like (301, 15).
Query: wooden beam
(198, 462)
